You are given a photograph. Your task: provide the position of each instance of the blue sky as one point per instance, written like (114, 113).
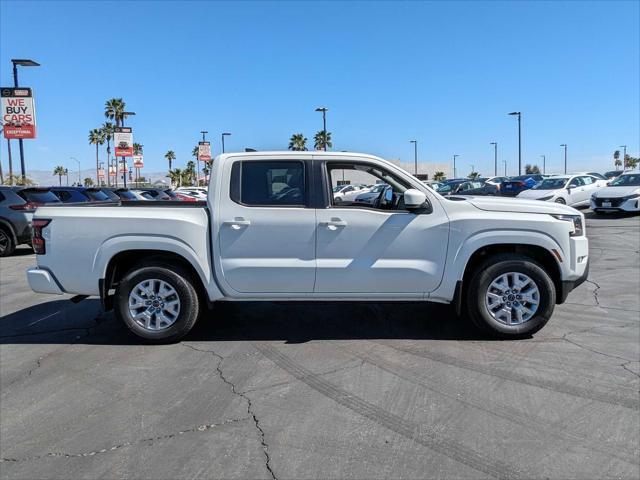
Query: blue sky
(444, 73)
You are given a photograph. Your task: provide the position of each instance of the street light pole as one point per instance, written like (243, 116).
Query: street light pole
(223, 135)
(505, 167)
(22, 63)
(324, 124)
(203, 132)
(519, 115)
(565, 157)
(544, 164)
(454, 165)
(495, 158)
(415, 156)
(74, 158)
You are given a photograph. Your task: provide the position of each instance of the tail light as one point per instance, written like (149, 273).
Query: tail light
(26, 207)
(185, 198)
(37, 240)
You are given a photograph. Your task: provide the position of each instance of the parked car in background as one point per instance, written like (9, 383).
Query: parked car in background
(79, 194)
(468, 187)
(513, 186)
(597, 175)
(572, 190)
(196, 192)
(621, 195)
(117, 194)
(17, 205)
(347, 193)
(497, 181)
(612, 174)
(371, 195)
(154, 193)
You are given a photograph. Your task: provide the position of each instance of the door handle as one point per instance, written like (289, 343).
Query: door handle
(335, 223)
(237, 223)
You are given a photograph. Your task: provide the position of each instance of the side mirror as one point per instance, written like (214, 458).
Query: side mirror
(414, 198)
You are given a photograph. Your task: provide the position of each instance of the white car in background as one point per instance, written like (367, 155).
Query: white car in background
(196, 192)
(572, 190)
(348, 193)
(622, 195)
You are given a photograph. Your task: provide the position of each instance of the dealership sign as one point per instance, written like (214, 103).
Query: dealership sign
(204, 151)
(18, 113)
(123, 166)
(101, 173)
(138, 161)
(112, 171)
(123, 140)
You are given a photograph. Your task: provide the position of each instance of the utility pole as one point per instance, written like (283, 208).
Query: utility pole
(544, 164)
(624, 157)
(324, 124)
(223, 135)
(519, 115)
(495, 158)
(565, 157)
(454, 165)
(415, 156)
(505, 167)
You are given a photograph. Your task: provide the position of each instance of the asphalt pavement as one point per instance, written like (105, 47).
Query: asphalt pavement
(327, 390)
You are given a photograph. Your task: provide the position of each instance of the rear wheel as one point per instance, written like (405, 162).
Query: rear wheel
(158, 303)
(7, 246)
(511, 296)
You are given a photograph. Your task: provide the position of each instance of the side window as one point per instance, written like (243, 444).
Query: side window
(263, 183)
(575, 182)
(380, 189)
(587, 180)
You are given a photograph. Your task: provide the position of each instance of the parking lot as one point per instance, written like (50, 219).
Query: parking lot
(327, 390)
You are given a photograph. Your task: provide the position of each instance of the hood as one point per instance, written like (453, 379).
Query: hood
(616, 192)
(516, 204)
(535, 194)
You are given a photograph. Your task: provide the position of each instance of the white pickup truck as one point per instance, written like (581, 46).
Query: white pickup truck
(270, 230)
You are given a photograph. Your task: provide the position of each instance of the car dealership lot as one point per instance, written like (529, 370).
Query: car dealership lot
(328, 390)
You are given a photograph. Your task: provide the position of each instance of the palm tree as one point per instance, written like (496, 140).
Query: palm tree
(298, 142)
(60, 171)
(190, 172)
(96, 137)
(137, 148)
(171, 156)
(107, 131)
(531, 169)
(439, 176)
(321, 139)
(114, 109)
(206, 169)
(616, 159)
(176, 177)
(88, 182)
(195, 153)
(473, 175)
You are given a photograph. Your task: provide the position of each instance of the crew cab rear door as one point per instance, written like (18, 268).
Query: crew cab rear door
(266, 228)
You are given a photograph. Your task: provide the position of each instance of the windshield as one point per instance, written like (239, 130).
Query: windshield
(338, 188)
(551, 184)
(627, 180)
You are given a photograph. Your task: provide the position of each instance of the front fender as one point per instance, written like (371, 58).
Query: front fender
(460, 254)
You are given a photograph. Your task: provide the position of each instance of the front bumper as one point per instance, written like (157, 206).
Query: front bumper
(578, 266)
(617, 205)
(43, 281)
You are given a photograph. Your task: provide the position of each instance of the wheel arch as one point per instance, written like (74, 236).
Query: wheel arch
(536, 252)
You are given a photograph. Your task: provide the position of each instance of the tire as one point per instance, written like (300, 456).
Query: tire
(482, 282)
(560, 200)
(7, 245)
(172, 324)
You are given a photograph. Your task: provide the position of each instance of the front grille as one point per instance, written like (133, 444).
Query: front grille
(615, 202)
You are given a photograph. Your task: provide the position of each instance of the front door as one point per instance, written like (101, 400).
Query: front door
(375, 245)
(266, 229)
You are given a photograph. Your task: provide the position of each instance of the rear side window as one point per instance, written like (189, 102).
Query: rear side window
(263, 184)
(126, 194)
(96, 195)
(38, 196)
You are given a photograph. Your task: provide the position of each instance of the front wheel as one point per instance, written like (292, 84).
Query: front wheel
(511, 296)
(157, 302)
(6, 243)
(561, 201)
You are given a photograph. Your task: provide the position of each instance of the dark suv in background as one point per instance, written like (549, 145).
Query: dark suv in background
(79, 194)
(17, 205)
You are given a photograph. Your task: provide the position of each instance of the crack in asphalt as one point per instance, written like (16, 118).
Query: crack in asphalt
(265, 446)
(118, 446)
(624, 365)
(595, 291)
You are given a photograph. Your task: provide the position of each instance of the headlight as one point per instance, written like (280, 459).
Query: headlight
(629, 197)
(578, 229)
(548, 197)
(593, 196)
